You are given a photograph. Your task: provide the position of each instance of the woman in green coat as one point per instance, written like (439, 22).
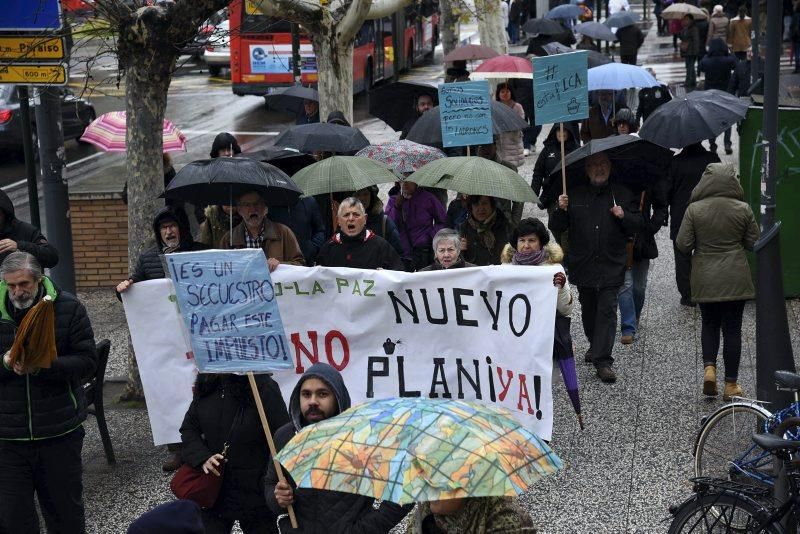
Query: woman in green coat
(717, 229)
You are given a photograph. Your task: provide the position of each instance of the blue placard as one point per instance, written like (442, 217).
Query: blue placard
(31, 15)
(228, 304)
(560, 87)
(465, 109)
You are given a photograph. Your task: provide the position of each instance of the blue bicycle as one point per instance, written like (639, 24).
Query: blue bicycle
(724, 448)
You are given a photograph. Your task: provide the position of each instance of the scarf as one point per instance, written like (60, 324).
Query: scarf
(484, 229)
(531, 258)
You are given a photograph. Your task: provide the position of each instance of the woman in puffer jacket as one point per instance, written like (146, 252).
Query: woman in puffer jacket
(509, 144)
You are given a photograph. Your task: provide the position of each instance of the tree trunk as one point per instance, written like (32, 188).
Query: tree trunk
(335, 68)
(448, 26)
(147, 81)
(490, 25)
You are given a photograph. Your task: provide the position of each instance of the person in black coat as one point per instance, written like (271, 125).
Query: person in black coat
(320, 394)
(42, 409)
(650, 98)
(305, 220)
(600, 215)
(685, 171)
(355, 246)
(223, 412)
(718, 66)
(19, 235)
(630, 40)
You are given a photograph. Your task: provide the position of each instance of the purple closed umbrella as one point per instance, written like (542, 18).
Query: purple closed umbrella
(562, 351)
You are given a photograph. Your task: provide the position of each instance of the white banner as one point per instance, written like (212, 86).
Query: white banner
(163, 354)
(479, 334)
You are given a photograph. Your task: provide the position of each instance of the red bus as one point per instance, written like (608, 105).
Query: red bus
(261, 47)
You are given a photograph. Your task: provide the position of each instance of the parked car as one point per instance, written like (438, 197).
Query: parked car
(197, 45)
(218, 49)
(76, 114)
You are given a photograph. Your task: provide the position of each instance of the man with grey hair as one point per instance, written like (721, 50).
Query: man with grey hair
(42, 409)
(447, 251)
(599, 216)
(355, 246)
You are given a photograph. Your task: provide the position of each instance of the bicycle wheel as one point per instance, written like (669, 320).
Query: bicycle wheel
(725, 449)
(726, 512)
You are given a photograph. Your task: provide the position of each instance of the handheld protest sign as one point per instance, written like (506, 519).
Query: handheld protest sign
(561, 92)
(465, 109)
(227, 302)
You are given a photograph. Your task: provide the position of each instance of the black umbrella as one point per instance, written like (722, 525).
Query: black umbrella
(543, 27)
(222, 180)
(622, 19)
(594, 59)
(288, 160)
(291, 100)
(699, 115)
(322, 137)
(428, 128)
(395, 103)
(596, 30)
(634, 161)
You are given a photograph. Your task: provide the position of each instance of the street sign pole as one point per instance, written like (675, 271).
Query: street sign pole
(56, 195)
(28, 148)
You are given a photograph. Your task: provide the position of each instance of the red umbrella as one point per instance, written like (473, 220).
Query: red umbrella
(470, 53)
(504, 67)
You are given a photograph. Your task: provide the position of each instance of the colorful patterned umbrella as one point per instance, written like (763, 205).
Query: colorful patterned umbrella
(416, 450)
(402, 156)
(108, 133)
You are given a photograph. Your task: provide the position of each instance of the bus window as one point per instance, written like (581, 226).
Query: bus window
(366, 34)
(254, 20)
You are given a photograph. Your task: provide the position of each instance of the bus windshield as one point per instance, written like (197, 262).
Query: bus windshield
(255, 21)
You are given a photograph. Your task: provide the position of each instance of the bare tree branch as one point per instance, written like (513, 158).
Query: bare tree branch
(384, 8)
(349, 25)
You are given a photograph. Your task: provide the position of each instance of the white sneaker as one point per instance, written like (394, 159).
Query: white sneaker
(526, 152)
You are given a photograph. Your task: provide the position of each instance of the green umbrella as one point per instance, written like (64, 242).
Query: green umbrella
(341, 174)
(473, 175)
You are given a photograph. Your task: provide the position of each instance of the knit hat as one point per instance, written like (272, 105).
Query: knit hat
(224, 140)
(718, 9)
(177, 517)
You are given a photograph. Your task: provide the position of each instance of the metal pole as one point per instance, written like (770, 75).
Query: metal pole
(28, 148)
(755, 37)
(56, 194)
(773, 345)
(296, 59)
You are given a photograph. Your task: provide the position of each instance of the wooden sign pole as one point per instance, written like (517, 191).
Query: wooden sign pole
(563, 166)
(272, 451)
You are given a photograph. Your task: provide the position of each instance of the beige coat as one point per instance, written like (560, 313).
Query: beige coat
(279, 242)
(718, 28)
(509, 144)
(739, 34)
(717, 229)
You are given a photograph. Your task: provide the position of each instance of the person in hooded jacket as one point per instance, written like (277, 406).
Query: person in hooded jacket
(486, 515)
(218, 221)
(485, 231)
(377, 221)
(25, 237)
(717, 230)
(684, 174)
(223, 414)
(630, 40)
(718, 65)
(321, 394)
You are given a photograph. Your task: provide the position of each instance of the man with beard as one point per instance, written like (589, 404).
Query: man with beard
(599, 216)
(354, 245)
(256, 231)
(171, 231)
(42, 409)
(321, 394)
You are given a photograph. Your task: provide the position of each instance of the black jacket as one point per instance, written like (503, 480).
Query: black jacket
(718, 65)
(740, 79)
(654, 217)
(305, 220)
(650, 98)
(546, 186)
(684, 174)
(148, 265)
(630, 40)
(380, 223)
(48, 403)
(223, 411)
(28, 237)
(319, 511)
(364, 251)
(597, 240)
(476, 251)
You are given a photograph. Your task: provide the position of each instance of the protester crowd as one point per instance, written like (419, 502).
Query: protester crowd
(600, 233)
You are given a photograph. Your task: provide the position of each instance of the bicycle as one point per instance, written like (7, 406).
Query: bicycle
(720, 505)
(724, 449)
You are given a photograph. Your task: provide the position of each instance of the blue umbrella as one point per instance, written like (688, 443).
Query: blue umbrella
(621, 19)
(564, 11)
(596, 30)
(619, 76)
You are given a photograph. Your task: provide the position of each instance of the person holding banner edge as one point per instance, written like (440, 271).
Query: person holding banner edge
(321, 394)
